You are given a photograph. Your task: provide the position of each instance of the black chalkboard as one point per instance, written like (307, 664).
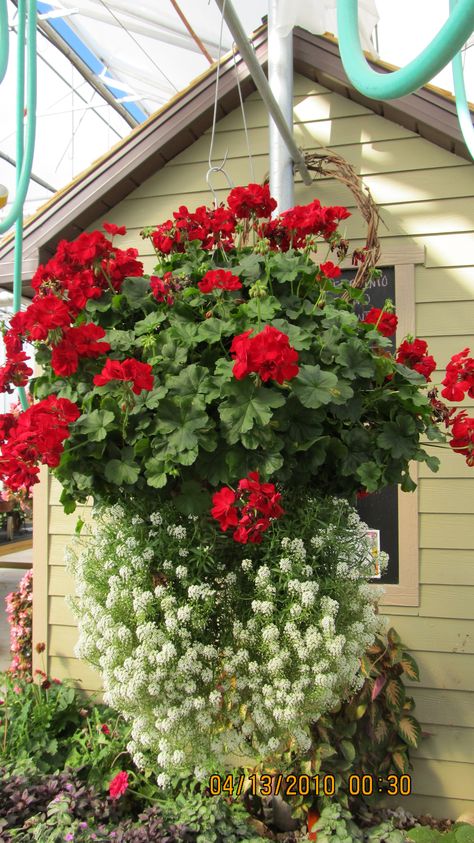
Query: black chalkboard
(380, 510)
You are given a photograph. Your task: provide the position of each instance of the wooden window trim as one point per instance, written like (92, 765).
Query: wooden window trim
(407, 591)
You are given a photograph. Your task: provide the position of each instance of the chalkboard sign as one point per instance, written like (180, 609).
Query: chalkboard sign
(380, 510)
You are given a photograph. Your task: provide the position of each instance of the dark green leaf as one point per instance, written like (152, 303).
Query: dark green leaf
(356, 358)
(136, 291)
(397, 437)
(314, 387)
(245, 405)
(119, 472)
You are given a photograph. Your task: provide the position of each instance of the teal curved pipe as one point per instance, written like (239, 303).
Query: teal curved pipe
(25, 163)
(24, 158)
(4, 39)
(462, 107)
(389, 86)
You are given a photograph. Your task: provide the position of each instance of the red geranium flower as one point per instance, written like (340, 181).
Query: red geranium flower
(161, 287)
(459, 378)
(140, 374)
(386, 323)
(250, 509)
(224, 509)
(44, 314)
(462, 441)
(330, 270)
(414, 356)
(118, 785)
(76, 343)
(104, 728)
(251, 201)
(219, 279)
(269, 354)
(113, 229)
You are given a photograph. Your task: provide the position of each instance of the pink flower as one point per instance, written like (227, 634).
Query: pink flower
(118, 785)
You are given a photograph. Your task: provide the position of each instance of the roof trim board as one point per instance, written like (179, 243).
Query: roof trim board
(186, 117)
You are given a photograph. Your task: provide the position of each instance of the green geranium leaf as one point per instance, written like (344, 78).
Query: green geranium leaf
(68, 502)
(95, 424)
(213, 329)
(299, 338)
(193, 380)
(150, 323)
(155, 473)
(397, 437)
(286, 266)
(185, 333)
(183, 422)
(314, 387)
(136, 291)
(356, 358)
(264, 309)
(407, 484)
(119, 340)
(341, 393)
(118, 472)
(246, 405)
(250, 267)
(410, 374)
(369, 474)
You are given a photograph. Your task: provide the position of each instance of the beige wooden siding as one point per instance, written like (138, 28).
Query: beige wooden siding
(426, 196)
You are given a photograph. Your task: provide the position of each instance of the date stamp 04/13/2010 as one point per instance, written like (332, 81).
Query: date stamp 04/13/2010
(276, 784)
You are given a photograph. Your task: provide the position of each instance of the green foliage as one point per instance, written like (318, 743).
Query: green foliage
(213, 819)
(36, 723)
(200, 425)
(377, 720)
(460, 833)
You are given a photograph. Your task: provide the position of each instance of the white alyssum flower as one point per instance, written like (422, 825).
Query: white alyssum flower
(206, 666)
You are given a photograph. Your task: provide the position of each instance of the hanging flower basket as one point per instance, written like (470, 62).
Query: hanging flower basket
(224, 413)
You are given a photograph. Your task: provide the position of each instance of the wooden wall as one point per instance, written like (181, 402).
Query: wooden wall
(426, 198)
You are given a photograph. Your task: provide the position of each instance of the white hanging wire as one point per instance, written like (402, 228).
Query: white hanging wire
(244, 119)
(217, 168)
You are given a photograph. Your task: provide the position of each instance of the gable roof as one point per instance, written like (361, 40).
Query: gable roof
(429, 112)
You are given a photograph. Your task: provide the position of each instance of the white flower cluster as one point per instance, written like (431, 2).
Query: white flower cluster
(235, 664)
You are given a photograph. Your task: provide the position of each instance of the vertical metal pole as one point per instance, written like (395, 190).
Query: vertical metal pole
(280, 77)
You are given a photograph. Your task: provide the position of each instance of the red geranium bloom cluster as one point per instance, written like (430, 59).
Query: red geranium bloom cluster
(35, 436)
(462, 430)
(219, 279)
(330, 270)
(76, 343)
(414, 356)
(15, 372)
(139, 374)
(250, 510)
(293, 227)
(44, 314)
(251, 201)
(162, 287)
(212, 226)
(86, 267)
(459, 378)
(269, 354)
(386, 323)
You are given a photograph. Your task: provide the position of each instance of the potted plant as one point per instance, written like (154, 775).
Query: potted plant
(224, 413)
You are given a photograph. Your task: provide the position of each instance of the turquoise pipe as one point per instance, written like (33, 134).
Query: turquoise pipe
(4, 39)
(24, 160)
(389, 86)
(25, 164)
(464, 114)
(20, 142)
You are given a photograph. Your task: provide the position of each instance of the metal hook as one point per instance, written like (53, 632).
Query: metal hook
(218, 168)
